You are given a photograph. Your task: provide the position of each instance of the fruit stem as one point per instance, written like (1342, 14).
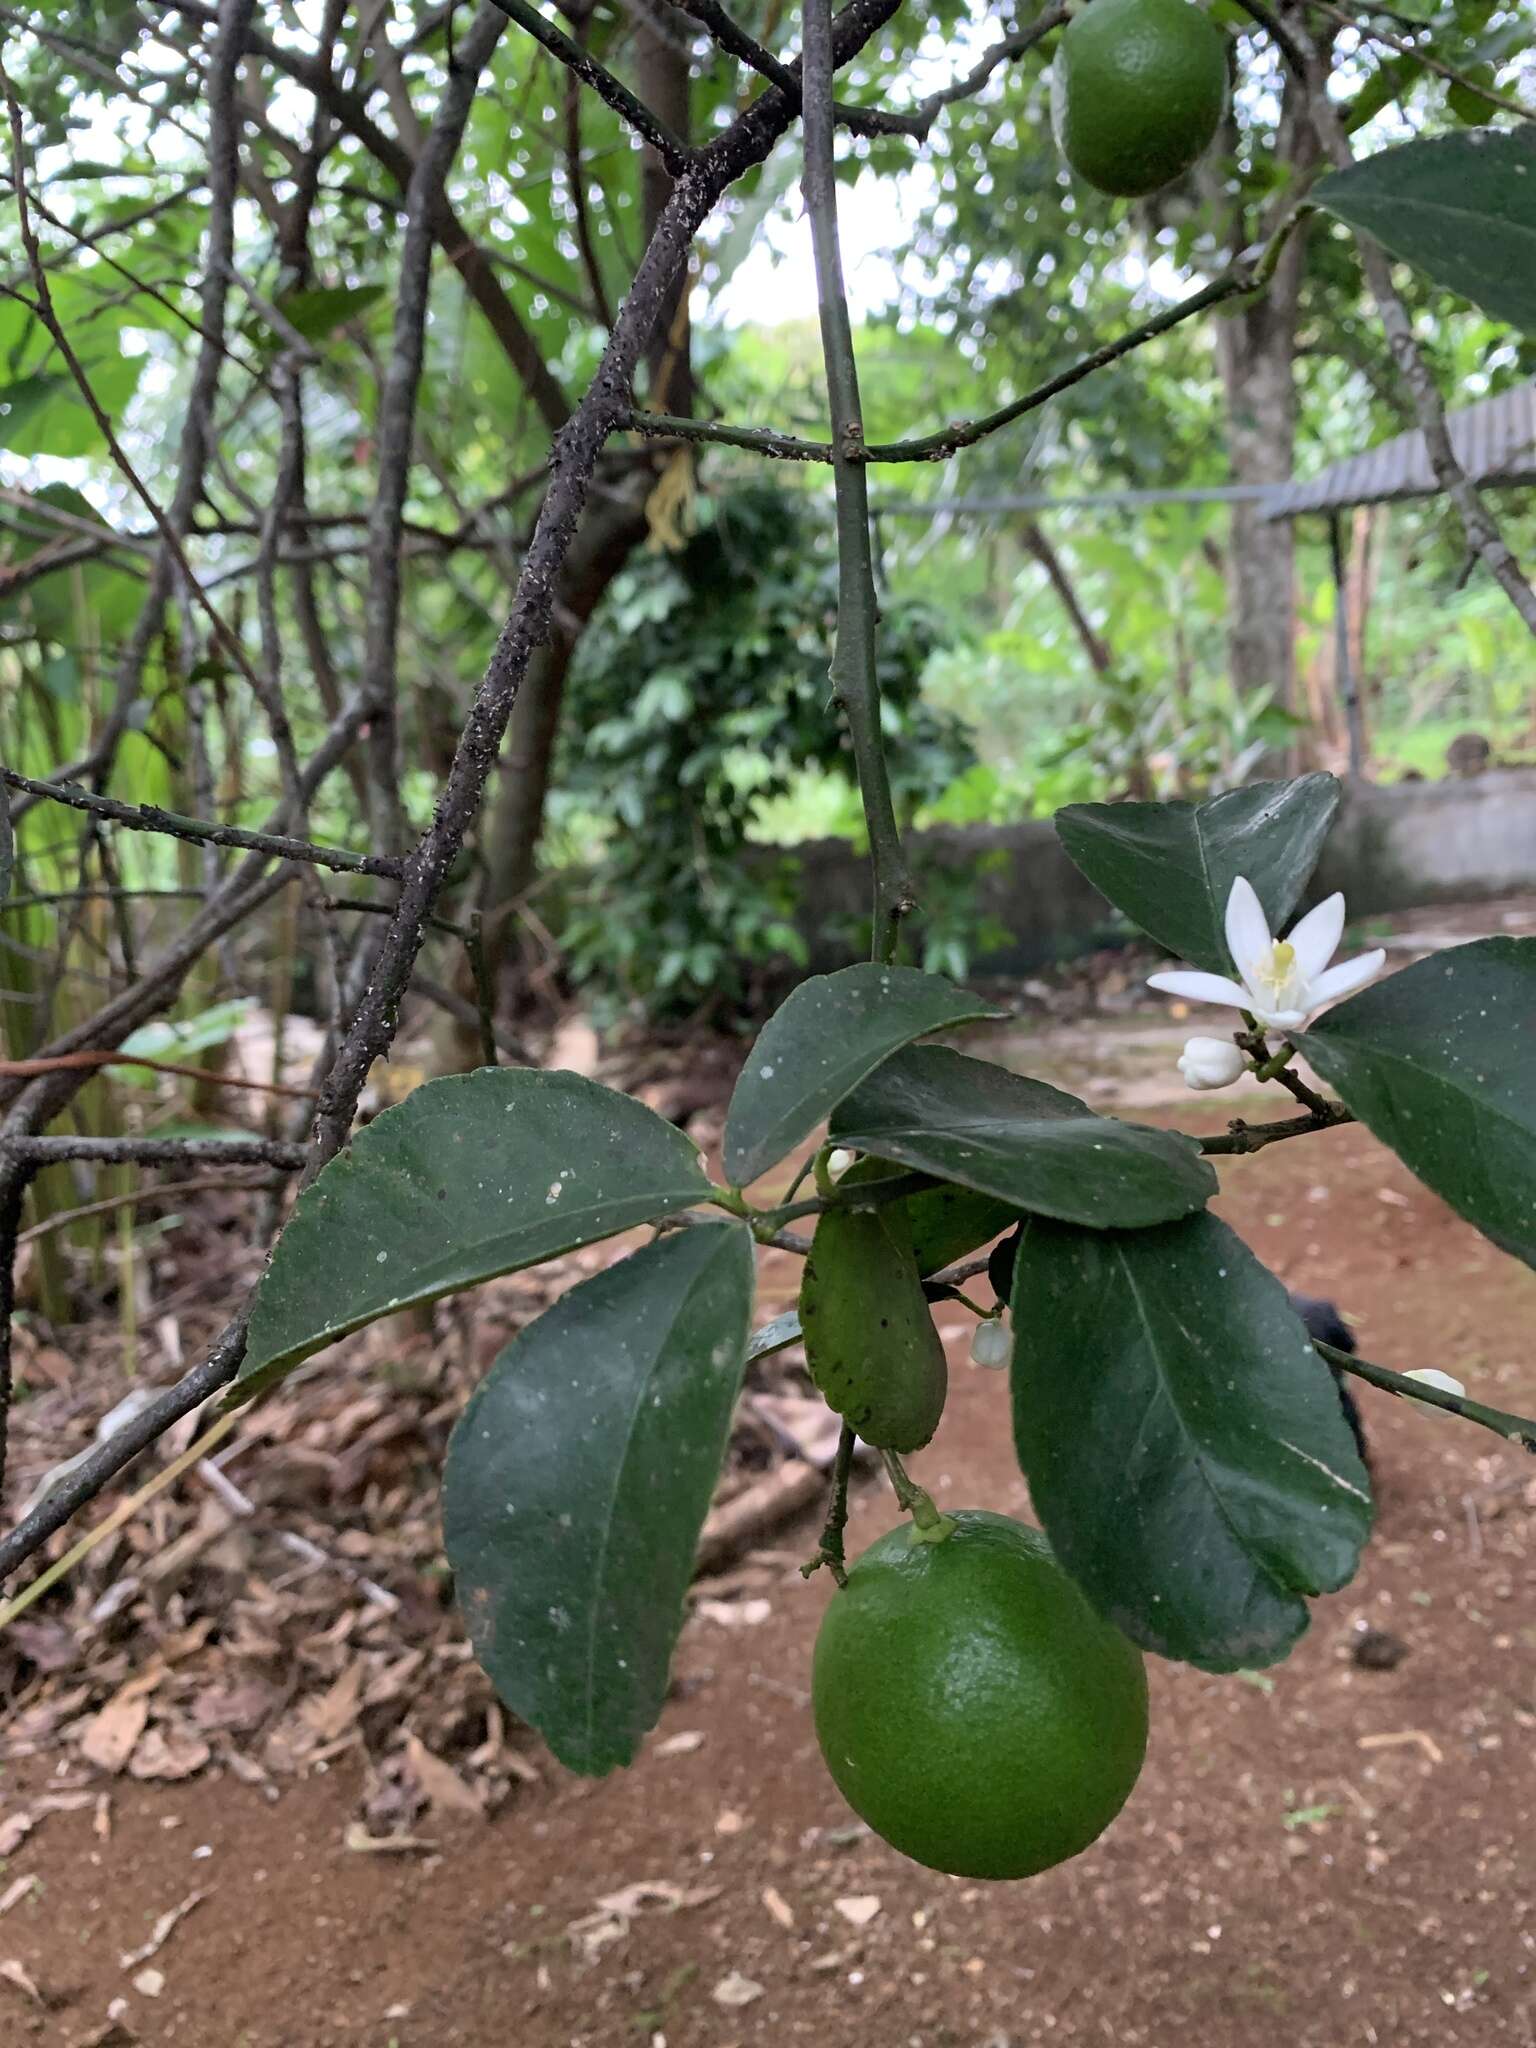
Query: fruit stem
(829, 1551)
(928, 1525)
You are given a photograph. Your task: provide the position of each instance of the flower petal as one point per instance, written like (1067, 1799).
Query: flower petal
(1248, 935)
(1201, 988)
(1282, 1020)
(1349, 975)
(1316, 937)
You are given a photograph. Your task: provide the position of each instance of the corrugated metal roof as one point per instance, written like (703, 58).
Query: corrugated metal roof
(1494, 440)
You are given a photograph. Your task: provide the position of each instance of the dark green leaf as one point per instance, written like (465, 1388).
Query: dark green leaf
(577, 1481)
(1440, 1062)
(1185, 1447)
(1170, 867)
(832, 1031)
(470, 1176)
(775, 1336)
(944, 1222)
(7, 843)
(1462, 208)
(1026, 1144)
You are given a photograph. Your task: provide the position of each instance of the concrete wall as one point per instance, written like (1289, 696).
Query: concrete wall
(1391, 849)
(1433, 842)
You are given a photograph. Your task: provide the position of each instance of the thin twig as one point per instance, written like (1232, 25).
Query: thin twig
(1241, 1138)
(202, 831)
(855, 677)
(1484, 539)
(69, 1062)
(151, 1191)
(1422, 56)
(241, 1151)
(1516, 1429)
(830, 1551)
(1251, 273)
(675, 154)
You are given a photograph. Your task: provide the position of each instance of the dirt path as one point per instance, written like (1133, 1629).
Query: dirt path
(1325, 1855)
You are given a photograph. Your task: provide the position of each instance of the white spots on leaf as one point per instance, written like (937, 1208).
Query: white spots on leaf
(765, 1073)
(553, 1194)
(380, 1258)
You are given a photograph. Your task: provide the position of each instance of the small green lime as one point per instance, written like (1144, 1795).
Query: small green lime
(1137, 92)
(972, 1706)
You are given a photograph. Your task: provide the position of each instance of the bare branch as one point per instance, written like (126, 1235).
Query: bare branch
(855, 677)
(40, 1152)
(201, 832)
(1250, 274)
(675, 154)
(1484, 538)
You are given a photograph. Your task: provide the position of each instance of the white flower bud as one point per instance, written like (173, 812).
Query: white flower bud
(1427, 1376)
(991, 1344)
(1210, 1063)
(838, 1162)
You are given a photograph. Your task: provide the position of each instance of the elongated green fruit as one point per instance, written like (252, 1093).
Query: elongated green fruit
(869, 1336)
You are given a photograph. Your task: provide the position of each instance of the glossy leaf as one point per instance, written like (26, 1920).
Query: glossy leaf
(1440, 1062)
(870, 1341)
(470, 1176)
(1185, 1447)
(577, 1481)
(1461, 208)
(822, 1041)
(1170, 867)
(1026, 1144)
(944, 1223)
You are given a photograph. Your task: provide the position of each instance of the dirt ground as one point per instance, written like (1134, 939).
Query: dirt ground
(1319, 1855)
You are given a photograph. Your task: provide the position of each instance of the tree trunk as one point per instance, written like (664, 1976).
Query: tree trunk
(614, 525)
(1256, 355)
(611, 530)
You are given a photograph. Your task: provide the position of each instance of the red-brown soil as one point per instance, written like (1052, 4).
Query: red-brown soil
(1323, 1855)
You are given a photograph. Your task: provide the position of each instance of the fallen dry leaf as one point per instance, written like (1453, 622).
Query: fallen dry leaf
(112, 1735)
(655, 1891)
(681, 1745)
(858, 1910)
(13, 1973)
(335, 1711)
(444, 1789)
(161, 1932)
(735, 1613)
(357, 1838)
(736, 1990)
(167, 1757)
(14, 1830)
(1424, 1741)
(779, 1907)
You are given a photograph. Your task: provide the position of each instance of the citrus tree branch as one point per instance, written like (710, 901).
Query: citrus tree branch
(1516, 1429)
(855, 678)
(1485, 541)
(201, 831)
(674, 153)
(1249, 274)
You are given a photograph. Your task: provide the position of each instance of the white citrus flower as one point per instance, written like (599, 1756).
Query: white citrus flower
(1427, 1376)
(1283, 980)
(839, 1161)
(1210, 1063)
(991, 1344)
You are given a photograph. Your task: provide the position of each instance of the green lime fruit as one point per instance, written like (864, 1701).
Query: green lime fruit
(971, 1705)
(1137, 92)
